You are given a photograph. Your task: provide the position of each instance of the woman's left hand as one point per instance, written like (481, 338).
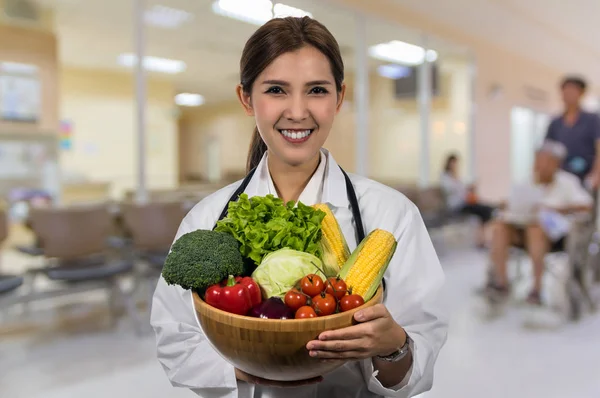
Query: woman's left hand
(376, 334)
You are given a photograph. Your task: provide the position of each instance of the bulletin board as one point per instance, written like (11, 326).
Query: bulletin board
(20, 92)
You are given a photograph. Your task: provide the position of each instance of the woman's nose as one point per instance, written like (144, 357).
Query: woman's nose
(297, 108)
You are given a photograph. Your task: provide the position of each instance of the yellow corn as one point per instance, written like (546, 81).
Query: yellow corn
(365, 269)
(334, 246)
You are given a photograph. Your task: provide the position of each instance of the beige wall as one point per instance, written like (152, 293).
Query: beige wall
(101, 107)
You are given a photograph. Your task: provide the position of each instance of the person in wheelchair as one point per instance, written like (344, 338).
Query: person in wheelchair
(537, 217)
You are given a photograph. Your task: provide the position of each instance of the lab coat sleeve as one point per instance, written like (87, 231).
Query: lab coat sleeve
(182, 348)
(413, 280)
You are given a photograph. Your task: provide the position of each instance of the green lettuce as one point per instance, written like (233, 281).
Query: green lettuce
(264, 224)
(281, 270)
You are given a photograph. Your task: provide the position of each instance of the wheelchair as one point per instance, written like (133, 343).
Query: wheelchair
(578, 254)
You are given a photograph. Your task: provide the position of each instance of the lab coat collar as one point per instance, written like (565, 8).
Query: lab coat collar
(334, 186)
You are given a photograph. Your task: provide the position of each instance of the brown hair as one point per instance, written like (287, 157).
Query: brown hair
(276, 37)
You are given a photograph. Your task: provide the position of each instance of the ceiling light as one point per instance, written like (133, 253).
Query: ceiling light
(166, 17)
(153, 64)
(394, 71)
(252, 11)
(282, 10)
(402, 53)
(189, 99)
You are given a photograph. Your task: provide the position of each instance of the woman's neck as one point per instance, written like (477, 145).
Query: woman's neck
(290, 181)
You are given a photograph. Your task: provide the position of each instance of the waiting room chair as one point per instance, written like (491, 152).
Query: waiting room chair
(152, 227)
(76, 256)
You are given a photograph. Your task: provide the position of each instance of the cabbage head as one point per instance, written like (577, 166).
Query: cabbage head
(280, 270)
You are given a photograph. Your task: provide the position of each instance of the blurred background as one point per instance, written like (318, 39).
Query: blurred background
(102, 155)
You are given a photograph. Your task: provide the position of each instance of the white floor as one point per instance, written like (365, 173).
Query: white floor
(483, 358)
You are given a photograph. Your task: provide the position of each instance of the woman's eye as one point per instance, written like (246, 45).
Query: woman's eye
(318, 90)
(275, 90)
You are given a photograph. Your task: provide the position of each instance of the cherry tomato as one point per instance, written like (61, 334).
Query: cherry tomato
(324, 304)
(351, 301)
(294, 299)
(312, 285)
(305, 312)
(336, 287)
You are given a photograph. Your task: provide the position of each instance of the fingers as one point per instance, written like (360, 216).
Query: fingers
(318, 348)
(349, 333)
(371, 313)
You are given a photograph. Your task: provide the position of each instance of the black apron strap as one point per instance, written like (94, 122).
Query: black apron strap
(236, 194)
(360, 229)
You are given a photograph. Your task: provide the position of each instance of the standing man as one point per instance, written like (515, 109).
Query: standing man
(579, 131)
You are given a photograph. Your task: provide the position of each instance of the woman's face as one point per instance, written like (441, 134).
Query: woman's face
(294, 102)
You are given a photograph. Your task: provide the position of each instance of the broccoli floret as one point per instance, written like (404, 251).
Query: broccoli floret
(202, 258)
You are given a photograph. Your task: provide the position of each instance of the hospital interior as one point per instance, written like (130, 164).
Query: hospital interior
(102, 155)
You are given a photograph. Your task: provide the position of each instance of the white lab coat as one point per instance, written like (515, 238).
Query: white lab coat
(413, 280)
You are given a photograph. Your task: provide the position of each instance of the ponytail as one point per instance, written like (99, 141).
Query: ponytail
(257, 150)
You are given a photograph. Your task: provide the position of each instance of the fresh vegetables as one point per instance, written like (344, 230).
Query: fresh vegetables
(265, 224)
(312, 285)
(295, 299)
(275, 260)
(202, 258)
(234, 297)
(366, 266)
(350, 302)
(253, 289)
(324, 304)
(305, 312)
(272, 308)
(281, 270)
(333, 244)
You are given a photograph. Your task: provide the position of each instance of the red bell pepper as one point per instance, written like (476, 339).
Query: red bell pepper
(253, 288)
(232, 297)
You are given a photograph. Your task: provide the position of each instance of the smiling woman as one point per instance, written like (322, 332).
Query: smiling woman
(292, 85)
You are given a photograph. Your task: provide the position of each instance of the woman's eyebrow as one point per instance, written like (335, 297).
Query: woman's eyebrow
(284, 83)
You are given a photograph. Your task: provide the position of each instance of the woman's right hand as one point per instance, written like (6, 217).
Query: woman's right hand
(243, 376)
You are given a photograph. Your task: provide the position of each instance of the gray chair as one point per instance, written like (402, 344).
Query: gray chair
(74, 242)
(152, 227)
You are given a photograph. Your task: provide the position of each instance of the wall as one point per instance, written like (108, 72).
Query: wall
(37, 47)
(496, 67)
(101, 107)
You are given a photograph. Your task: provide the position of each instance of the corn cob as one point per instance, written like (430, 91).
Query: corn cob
(366, 266)
(334, 248)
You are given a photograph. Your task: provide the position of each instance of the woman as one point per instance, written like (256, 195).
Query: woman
(461, 198)
(292, 84)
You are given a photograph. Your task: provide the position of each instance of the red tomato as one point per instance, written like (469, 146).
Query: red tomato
(336, 287)
(312, 285)
(294, 299)
(305, 312)
(324, 304)
(351, 301)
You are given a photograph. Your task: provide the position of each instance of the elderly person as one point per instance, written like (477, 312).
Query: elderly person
(532, 215)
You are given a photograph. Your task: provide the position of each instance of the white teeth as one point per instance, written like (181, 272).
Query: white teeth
(295, 135)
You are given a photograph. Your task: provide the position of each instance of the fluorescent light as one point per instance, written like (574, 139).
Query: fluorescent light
(393, 71)
(154, 64)
(189, 99)
(402, 53)
(252, 11)
(282, 10)
(166, 17)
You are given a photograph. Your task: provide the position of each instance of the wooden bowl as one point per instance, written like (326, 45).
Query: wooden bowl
(272, 349)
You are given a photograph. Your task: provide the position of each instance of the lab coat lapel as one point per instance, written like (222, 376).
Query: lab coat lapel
(334, 187)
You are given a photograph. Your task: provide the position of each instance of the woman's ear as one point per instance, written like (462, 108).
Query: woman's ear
(340, 99)
(245, 100)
